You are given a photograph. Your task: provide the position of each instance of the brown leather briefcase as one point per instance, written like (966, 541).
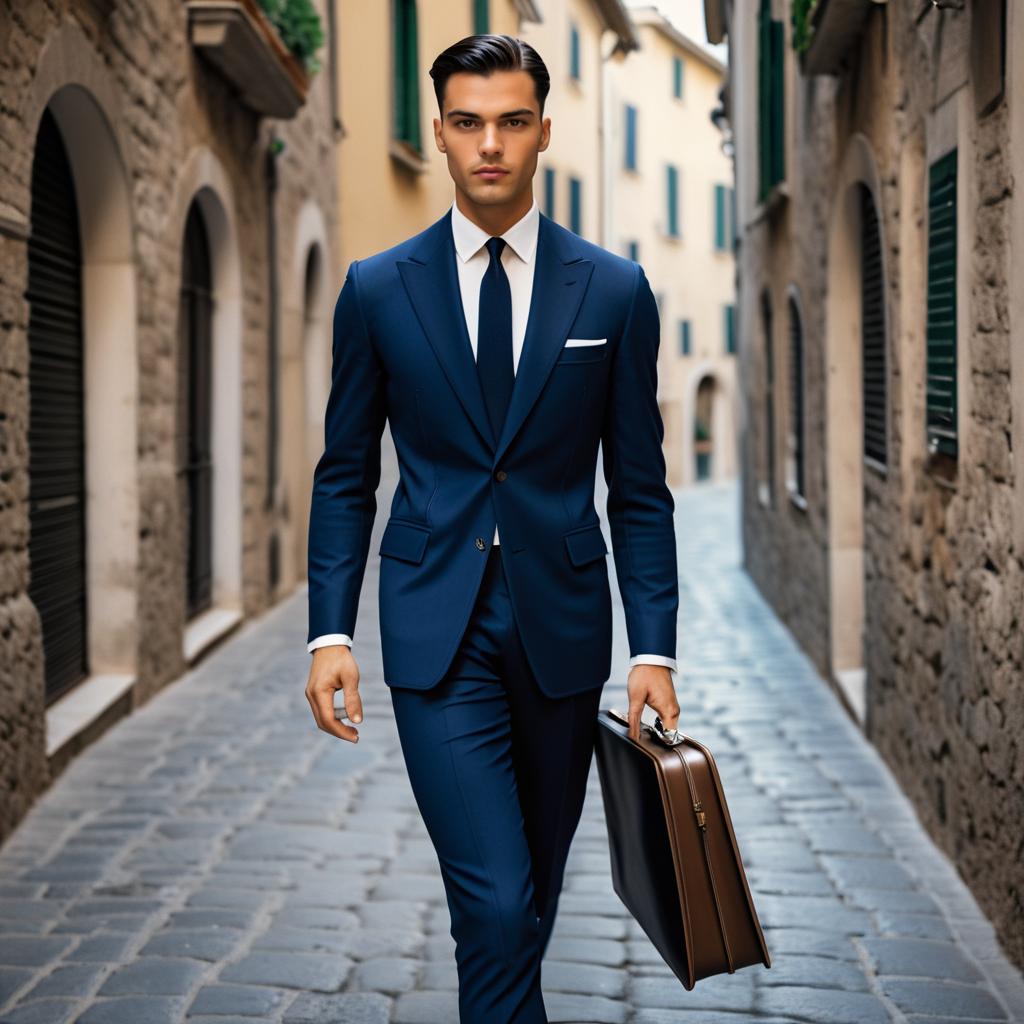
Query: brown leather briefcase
(674, 858)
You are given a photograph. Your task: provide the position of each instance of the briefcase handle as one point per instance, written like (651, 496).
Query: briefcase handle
(670, 737)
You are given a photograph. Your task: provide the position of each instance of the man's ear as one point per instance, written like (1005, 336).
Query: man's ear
(438, 138)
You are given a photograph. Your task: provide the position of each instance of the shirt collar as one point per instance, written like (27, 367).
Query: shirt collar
(521, 237)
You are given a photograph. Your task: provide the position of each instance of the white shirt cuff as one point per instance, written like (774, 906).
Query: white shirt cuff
(329, 639)
(653, 659)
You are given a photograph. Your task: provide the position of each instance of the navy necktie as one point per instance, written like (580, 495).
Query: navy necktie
(494, 363)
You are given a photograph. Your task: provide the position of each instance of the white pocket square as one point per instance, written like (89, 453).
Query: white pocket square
(573, 342)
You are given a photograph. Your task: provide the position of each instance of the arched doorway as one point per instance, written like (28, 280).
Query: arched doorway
(194, 424)
(704, 430)
(56, 433)
(857, 407)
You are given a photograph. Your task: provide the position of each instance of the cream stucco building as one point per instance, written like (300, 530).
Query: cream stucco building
(669, 206)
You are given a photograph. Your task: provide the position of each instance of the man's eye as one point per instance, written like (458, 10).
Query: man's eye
(465, 120)
(516, 119)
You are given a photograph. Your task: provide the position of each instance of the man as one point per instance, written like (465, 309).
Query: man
(503, 349)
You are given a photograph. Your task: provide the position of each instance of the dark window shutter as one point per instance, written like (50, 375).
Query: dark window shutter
(406, 84)
(940, 397)
(630, 162)
(685, 338)
(770, 100)
(677, 77)
(730, 328)
(796, 396)
(549, 192)
(481, 17)
(769, 398)
(872, 312)
(575, 206)
(56, 430)
(672, 201)
(720, 217)
(195, 400)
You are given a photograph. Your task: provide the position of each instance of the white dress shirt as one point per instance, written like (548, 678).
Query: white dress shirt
(517, 257)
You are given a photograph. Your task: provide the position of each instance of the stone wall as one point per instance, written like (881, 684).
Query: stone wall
(944, 587)
(176, 128)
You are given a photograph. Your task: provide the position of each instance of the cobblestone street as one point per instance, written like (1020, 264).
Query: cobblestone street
(214, 858)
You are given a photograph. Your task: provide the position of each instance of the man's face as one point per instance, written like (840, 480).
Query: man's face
(492, 121)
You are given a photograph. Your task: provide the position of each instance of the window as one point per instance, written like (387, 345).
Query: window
(940, 332)
(872, 329)
(677, 77)
(575, 206)
(549, 192)
(574, 51)
(768, 478)
(672, 201)
(770, 95)
(634, 251)
(406, 93)
(685, 338)
(481, 17)
(724, 202)
(729, 311)
(795, 438)
(630, 156)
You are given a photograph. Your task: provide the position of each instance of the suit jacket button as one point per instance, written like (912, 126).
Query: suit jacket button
(480, 543)
(500, 475)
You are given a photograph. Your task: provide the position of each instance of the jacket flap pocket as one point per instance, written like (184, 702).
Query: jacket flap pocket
(585, 544)
(404, 540)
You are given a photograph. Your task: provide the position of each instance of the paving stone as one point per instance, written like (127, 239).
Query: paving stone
(32, 950)
(68, 980)
(148, 1009)
(316, 971)
(343, 1008)
(42, 1011)
(12, 979)
(920, 958)
(823, 1006)
(243, 1000)
(948, 998)
(390, 975)
(594, 951)
(156, 975)
(194, 945)
(425, 1008)
(583, 978)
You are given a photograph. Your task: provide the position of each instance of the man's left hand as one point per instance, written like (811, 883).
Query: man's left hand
(651, 684)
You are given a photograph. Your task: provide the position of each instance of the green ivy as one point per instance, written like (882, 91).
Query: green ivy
(298, 24)
(802, 12)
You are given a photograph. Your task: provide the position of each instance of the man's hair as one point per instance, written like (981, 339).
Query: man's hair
(482, 54)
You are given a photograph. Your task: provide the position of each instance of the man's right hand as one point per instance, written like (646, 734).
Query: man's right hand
(334, 668)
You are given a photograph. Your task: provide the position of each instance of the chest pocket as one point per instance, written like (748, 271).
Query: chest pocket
(572, 354)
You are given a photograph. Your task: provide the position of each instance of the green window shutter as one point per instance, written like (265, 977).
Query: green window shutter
(764, 20)
(940, 331)
(672, 201)
(685, 338)
(406, 66)
(729, 311)
(770, 100)
(481, 17)
(872, 320)
(677, 77)
(576, 205)
(574, 52)
(549, 192)
(778, 139)
(720, 217)
(630, 158)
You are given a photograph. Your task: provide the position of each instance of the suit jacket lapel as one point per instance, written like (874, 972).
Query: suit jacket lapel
(560, 280)
(432, 282)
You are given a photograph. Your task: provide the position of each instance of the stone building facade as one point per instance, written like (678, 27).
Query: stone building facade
(879, 150)
(167, 278)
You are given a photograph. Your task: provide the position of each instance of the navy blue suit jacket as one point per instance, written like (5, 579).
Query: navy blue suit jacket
(401, 352)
